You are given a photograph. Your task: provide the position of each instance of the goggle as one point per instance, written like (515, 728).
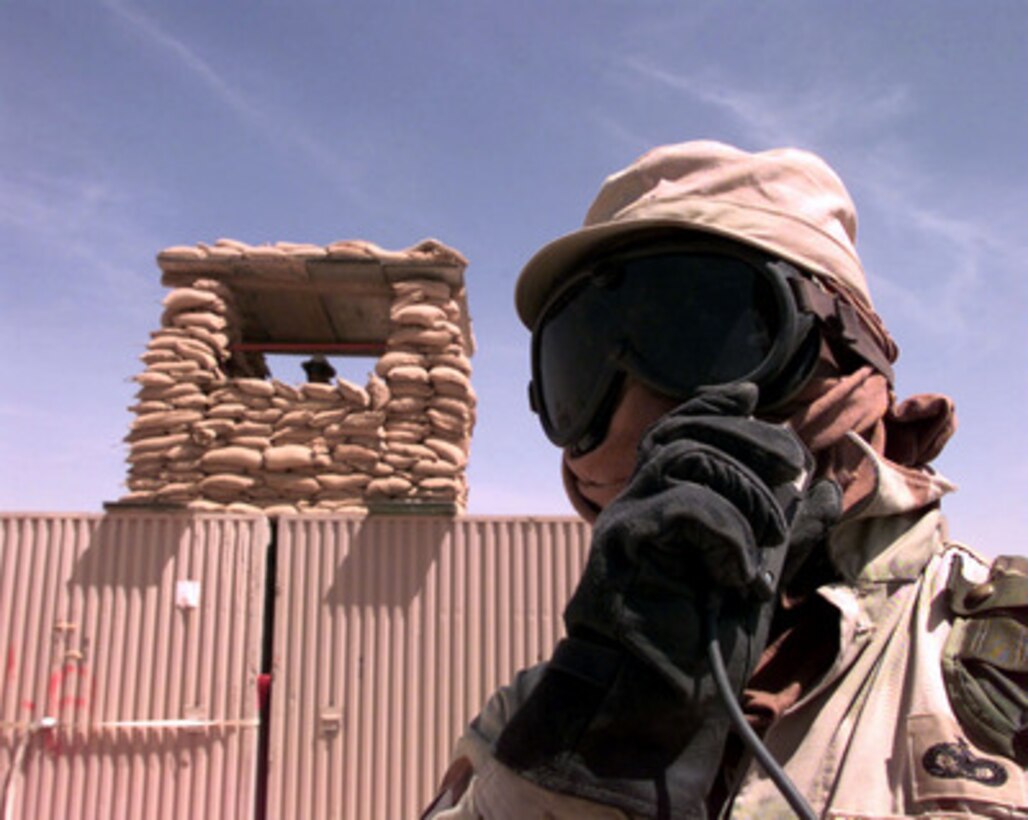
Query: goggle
(677, 317)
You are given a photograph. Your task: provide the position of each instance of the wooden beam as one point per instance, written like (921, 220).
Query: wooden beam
(338, 348)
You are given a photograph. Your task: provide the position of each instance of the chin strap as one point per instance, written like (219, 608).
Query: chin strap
(842, 323)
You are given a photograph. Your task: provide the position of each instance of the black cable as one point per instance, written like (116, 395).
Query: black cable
(724, 688)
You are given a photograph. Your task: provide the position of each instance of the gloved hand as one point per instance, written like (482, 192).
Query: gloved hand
(627, 712)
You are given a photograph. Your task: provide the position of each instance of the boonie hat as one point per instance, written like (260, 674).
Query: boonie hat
(785, 201)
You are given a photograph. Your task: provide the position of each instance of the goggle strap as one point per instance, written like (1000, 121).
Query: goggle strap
(841, 321)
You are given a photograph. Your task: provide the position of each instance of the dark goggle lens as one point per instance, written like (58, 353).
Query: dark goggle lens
(675, 321)
(576, 356)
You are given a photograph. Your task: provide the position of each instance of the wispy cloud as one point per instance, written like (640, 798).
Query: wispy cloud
(808, 116)
(860, 123)
(270, 123)
(80, 222)
(618, 132)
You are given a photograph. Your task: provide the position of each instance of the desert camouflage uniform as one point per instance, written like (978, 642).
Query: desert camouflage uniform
(896, 728)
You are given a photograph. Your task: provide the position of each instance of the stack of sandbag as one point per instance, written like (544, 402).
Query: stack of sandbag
(322, 448)
(184, 361)
(431, 408)
(265, 445)
(212, 432)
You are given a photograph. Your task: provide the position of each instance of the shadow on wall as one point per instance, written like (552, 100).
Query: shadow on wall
(131, 550)
(386, 560)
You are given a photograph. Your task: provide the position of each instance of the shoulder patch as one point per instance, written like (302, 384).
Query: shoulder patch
(985, 660)
(944, 765)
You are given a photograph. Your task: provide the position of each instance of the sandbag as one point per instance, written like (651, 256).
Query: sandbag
(452, 309)
(455, 407)
(187, 453)
(146, 461)
(255, 387)
(149, 407)
(158, 444)
(232, 457)
(217, 342)
(435, 468)
(226, 483)
(413, 405)
(227, 410)
(215, 285)
(389, 486)
(411, 390)
(287, 457)
(291, 435)
(378, 392)
(324, 418)
(353, 394)
(407, 374)
(445, 422)
(253, 428)
(440, 485)
(205, 319)
(191, 299)
(197, 352)
(294, 485)
(398, 461)
(276, 510)
(166, 420)
(182, 389)
(421, 290)
(420, 337)
(269, 415)
(449, 381)
(286, 391)
(337, 482)
(179, 367)
(205, 505)
(215, 427)
(259, 443)
(355, 454)
(195, 401)
(416, 451)
(319, 392)
(165, 338)
(151, 357)
(176, 490)
(365, 419)
(406, 431)
(256, 404)
(423, 315)
(461, 362)
(447, 450)
(295, 418)
(153, 378)
(244, 508)
(398, 358)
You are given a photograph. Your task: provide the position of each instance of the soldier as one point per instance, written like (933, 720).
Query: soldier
(766, 527)
(318, 369)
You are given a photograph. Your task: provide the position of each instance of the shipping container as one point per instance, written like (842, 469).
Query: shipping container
(134, 644)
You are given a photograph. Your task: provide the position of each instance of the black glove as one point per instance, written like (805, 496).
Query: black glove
(627, 712)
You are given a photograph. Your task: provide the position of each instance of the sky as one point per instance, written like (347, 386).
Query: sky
(128, 127)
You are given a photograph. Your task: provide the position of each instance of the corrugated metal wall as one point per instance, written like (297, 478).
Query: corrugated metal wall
(389, 634)
(138, 637)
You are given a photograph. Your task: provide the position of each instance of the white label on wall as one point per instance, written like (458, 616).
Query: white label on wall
(187, 594)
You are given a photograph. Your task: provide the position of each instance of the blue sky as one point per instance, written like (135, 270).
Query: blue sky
(126, 127)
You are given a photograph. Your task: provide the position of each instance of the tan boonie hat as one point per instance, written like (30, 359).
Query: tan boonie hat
(785, 201)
